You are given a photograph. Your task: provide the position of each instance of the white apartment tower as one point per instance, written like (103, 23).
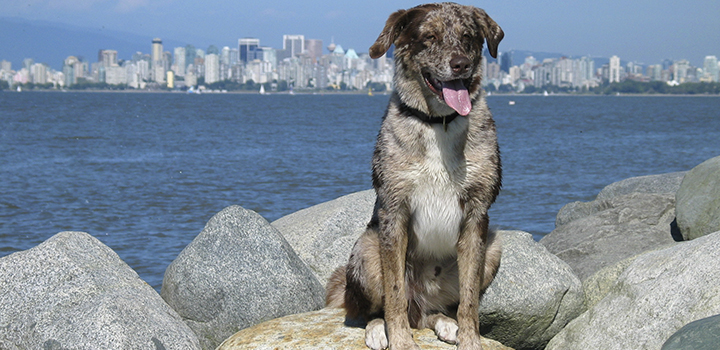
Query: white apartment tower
(212, 68)
(614, 69)
(710, 66)
(179, 61)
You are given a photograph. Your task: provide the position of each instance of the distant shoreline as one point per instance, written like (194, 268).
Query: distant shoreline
(244, 92)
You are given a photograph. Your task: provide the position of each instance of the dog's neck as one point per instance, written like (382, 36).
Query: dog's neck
(444, 120)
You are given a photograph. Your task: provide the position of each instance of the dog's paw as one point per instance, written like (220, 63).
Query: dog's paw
(375, 337)
(446, 329)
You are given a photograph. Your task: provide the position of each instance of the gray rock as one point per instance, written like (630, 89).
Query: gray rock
(651, 184)
(654, 297)
(533, 296)
(323, 235)
(597, 286)
(698, 200)
(627, 225)
(73, 292)
(659, 184)
(238, 272)
(324, 329)
(702, 334)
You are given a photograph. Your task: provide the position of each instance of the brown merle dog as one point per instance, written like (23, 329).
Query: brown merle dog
(427, 254)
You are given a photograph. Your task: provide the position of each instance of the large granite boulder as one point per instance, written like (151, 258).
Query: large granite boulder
(323, 329)
(653, 297)
(73, 292)
(323, 235)
(698, 200)
(702, 334)
(628, 218)
(533, 296)
(651, 184)
(238, 272)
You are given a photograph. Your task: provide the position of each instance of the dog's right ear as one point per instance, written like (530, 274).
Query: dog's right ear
(393, 27)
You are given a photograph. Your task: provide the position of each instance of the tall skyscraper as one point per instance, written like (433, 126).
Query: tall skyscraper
(158, 64)
(314, 48)
(506, 61)
(39, 73)
(710, 66)
(294, 44)
(157, 49)
(247, 47)
(212, 67)
(179, 61)
(614, 69)
(680, 70)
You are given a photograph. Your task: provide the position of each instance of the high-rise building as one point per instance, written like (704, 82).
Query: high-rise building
(710, 67)
(27, 63)
(225, 55)
(314, 48)
(69, 70)
(234, 56)
(108, 58)
(6, 65)
(293, 44)
(39, 73)
(212, 67)
(158, 64)
(190, 54)
(614, 69)
(247, 47)
(680, 70)
(157, 49)
(506, 61)
(179, 61)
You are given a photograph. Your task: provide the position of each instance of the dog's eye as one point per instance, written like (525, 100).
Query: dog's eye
(430, 38)
(466, 36)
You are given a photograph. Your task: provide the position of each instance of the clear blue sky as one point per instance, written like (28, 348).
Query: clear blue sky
(645, 31)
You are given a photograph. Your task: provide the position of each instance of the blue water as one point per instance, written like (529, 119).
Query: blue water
(144, 172)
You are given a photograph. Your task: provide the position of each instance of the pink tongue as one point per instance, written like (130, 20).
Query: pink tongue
(456, 96)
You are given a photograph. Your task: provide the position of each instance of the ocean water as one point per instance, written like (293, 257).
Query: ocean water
(144, 172)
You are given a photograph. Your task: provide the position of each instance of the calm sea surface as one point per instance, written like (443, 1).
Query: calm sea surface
(144, 172)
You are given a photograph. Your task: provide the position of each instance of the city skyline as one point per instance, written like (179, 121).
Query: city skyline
(301, 63)
(640, 31)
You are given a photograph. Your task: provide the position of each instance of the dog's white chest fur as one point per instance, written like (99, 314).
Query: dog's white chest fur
(436, 214)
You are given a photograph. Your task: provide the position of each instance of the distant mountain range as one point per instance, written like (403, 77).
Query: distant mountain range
(51, 43)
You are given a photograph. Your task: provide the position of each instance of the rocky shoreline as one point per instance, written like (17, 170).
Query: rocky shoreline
(637, 268)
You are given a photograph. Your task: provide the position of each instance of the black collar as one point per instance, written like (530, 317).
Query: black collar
(444, 120)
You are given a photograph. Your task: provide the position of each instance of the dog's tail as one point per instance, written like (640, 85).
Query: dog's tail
(492, 258)
(335, 297)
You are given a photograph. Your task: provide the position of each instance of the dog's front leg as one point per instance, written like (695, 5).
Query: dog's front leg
(471, 267)
(393, 247)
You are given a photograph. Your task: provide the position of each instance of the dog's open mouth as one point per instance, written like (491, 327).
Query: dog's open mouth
(453, 92)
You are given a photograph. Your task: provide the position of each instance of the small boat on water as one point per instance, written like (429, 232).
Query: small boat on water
(262, 89)
(511, 103)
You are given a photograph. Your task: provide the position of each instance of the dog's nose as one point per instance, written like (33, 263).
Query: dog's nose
(460, 64)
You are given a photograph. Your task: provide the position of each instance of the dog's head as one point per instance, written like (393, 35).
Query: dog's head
(438, 53)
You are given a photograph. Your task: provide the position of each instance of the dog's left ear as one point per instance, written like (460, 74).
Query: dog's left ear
(396, 24)
(490, 30)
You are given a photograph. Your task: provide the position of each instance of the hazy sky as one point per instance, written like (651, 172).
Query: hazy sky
(645, 31)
